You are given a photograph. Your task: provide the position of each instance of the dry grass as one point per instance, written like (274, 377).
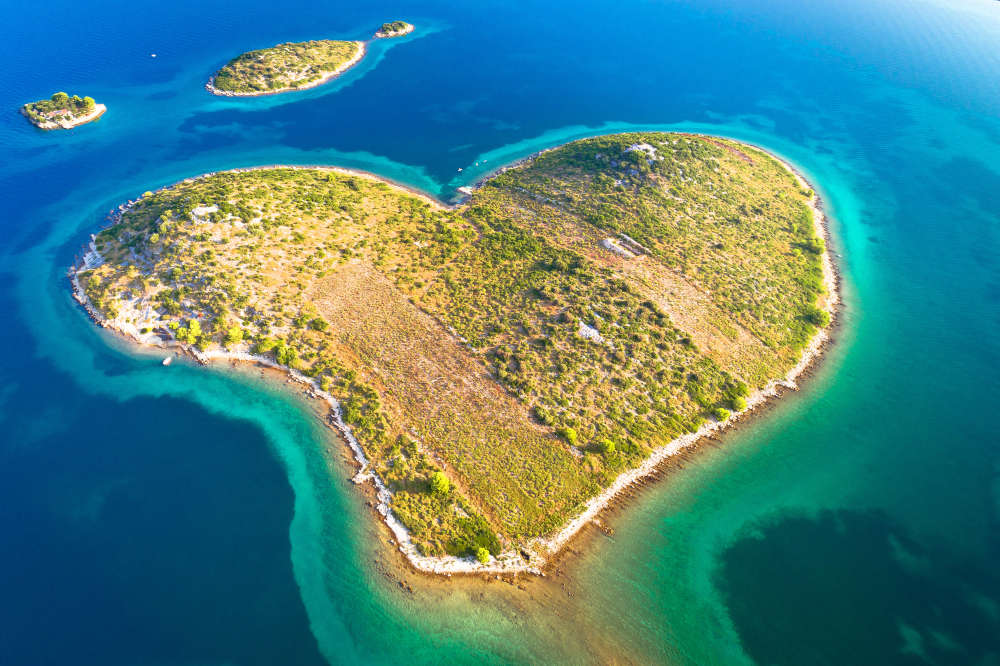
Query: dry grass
(437, 391)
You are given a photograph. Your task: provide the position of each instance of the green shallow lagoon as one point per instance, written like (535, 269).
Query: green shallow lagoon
(177, 515)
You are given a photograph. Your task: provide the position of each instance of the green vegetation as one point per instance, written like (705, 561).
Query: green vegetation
(569, 434)
(58, 111)
(285, 66)
(482, 555)
(440, 484)
(502, 362)
(393, 29)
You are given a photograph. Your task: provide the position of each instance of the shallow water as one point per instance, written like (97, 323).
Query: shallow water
(175, 515)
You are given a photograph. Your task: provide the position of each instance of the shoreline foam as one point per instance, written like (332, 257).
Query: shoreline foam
(543, 549)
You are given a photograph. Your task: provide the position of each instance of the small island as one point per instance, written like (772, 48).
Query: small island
(286, 67)
(503, 368)
(62, 111)
(393, 29)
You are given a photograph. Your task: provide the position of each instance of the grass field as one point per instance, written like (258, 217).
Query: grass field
(530, 345)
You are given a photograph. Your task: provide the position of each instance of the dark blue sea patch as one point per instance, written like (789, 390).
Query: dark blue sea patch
(850, 587)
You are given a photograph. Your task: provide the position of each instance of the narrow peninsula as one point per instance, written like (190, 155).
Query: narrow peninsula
(286, 67)
(503, 367)
(393, 29)
(62, 111)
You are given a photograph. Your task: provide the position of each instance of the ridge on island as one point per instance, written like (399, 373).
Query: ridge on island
(393, 29)
(62, 111)
(285, 67)
(506, 365)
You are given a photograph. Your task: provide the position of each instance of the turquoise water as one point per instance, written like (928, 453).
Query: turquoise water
(177, 515)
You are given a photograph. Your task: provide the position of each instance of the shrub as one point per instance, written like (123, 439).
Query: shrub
(352, 413)
(607, 447)
(543, 415)
(284, 354)
(233, 335)
(440, 485)
(265, 345)
(814, 245)
(569, 434)
(721, 413)
(815, 316)
(482, 555)
(739, 403)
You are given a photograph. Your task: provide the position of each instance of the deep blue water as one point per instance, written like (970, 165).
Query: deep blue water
(167, 516)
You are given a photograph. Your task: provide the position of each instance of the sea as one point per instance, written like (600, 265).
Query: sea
(183, 515)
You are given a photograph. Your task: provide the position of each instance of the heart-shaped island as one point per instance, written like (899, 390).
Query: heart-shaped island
(503, 367)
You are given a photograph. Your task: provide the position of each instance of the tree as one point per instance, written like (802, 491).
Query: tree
(482, 555)
(60, 98)
(284, 354)
(233, 335)
(607, 447)
(739, 403)
(89, 103)
(440, 485)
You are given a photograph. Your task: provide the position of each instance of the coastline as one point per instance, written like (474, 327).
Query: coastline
(325, 78)
(543, 550)
(99, 110)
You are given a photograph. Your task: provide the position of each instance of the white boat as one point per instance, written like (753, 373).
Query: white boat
(167, 360)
